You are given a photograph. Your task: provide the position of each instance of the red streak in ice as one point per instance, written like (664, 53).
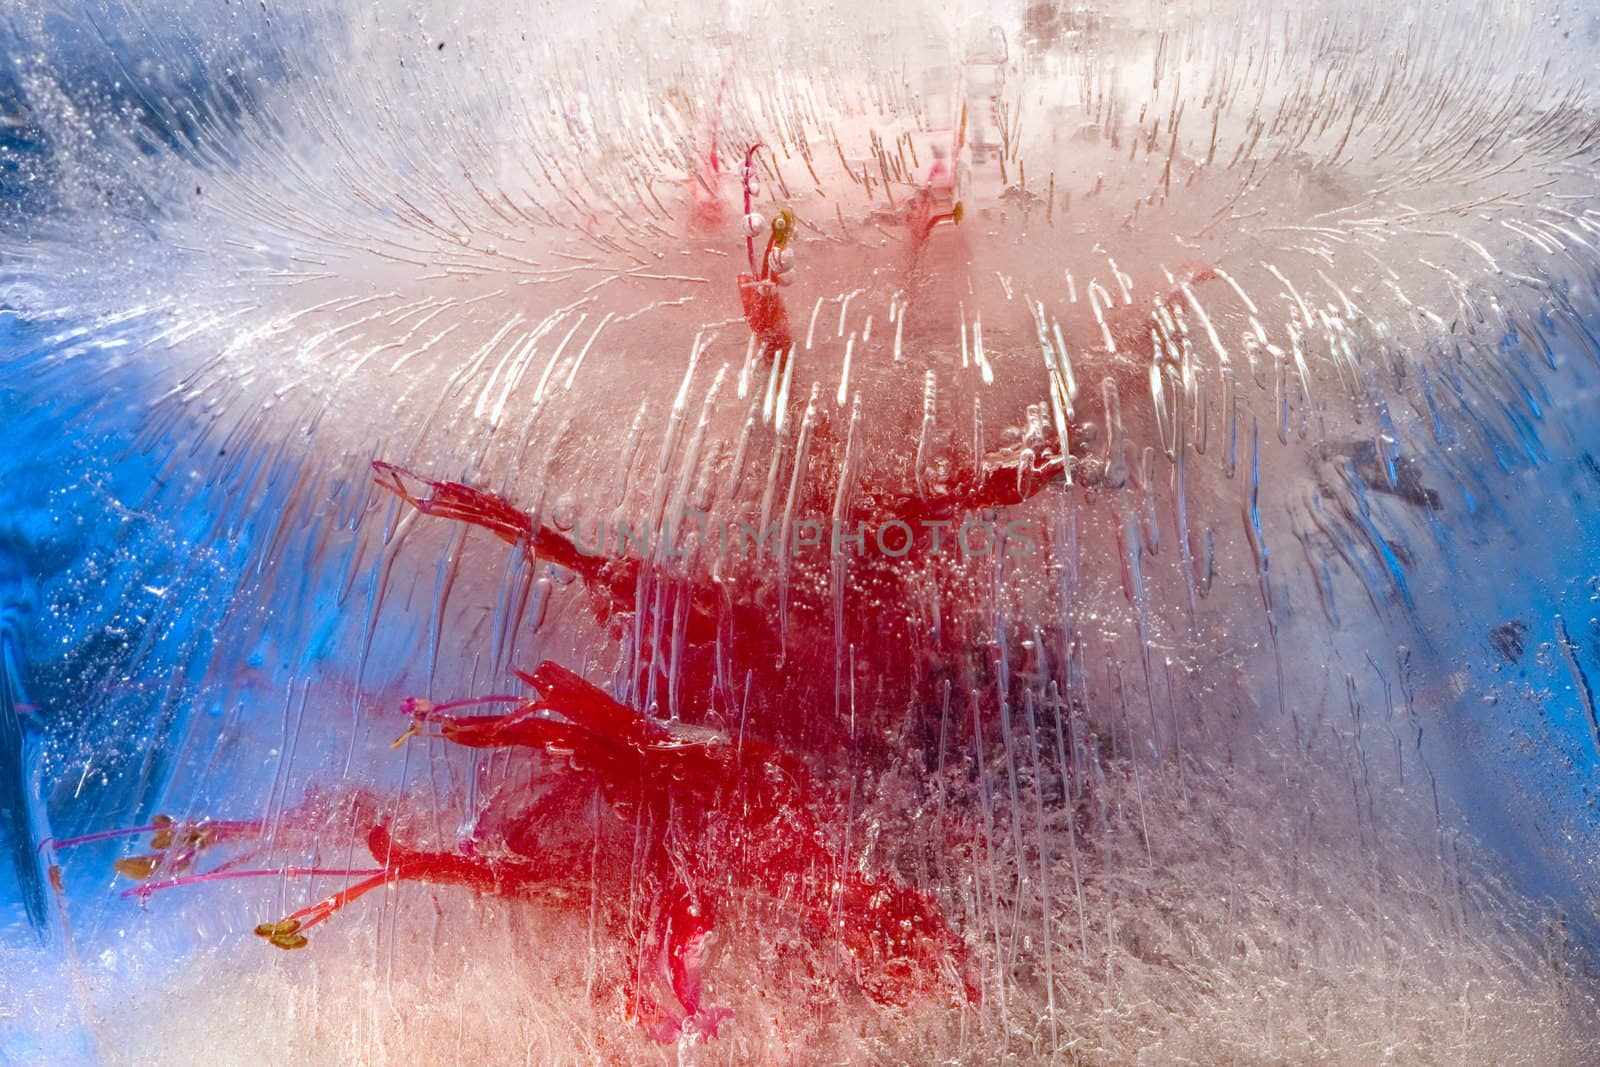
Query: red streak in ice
(707, 814)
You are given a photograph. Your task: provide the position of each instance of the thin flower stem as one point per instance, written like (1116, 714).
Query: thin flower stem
(102, 835)
(467, 702)
(143, 891)
(216, 827)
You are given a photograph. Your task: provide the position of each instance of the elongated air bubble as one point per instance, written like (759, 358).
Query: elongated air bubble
(473, 621)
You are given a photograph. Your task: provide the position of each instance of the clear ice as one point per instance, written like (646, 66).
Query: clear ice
(355, 358)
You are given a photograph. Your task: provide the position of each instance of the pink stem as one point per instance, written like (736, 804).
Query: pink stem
(323, 909)
(144, 891)
(467, 702)
(101, 835)
(216, 826)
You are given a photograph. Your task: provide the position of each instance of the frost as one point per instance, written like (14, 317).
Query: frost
(938, 533)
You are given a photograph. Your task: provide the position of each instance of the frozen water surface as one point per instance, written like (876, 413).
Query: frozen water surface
(1243, 714)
